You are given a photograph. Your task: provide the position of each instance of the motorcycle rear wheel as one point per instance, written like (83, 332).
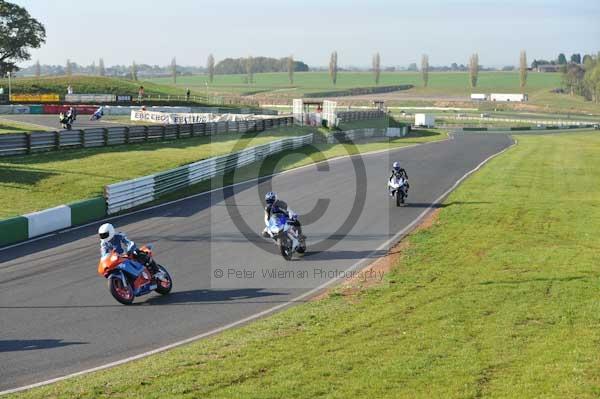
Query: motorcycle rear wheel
(162, 287)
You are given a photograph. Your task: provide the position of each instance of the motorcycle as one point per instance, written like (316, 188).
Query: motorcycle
(285, 233)
(66, 121)
(96, 116)
(128, 279)
(397, 187)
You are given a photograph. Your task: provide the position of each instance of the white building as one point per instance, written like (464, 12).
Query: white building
(508, 97)
(425, 120)
(479, 97)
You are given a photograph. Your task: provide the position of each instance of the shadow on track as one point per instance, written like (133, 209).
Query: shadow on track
(18, 345)
(440, 206)
(203, 296)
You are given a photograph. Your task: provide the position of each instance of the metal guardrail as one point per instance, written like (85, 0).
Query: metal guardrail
(33, 142)
(131, 193)
(348, 116)
(349, 136)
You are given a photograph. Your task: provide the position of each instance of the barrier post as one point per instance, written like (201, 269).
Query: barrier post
(146, 133)
(178, 132)
(164, 133)
(82, 138)
(105, 136)
(28, 142)
(56, 140)
(127, 135)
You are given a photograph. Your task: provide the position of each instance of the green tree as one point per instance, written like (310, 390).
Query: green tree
(425, 69)
(101, 70)
(210, 68)
(376, 68)
(174, 70)
(587, 60)
(523, 69)
(134, 71)
(576, 58)
(290, 69)
(249, 70)
(474, 69)
(333, 67)
(562, 59)
(18, 33)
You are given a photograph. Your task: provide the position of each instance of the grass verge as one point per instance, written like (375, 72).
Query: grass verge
(39, 181)
(498, 298)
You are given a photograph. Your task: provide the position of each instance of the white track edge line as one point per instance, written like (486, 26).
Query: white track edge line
(265, 312)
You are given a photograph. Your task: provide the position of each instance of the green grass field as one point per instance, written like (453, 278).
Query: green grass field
(443, 86)
(498, 299)
(309, 82)
(89, 84)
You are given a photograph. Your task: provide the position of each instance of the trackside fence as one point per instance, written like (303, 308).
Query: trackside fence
(33, 142)
(131, 193)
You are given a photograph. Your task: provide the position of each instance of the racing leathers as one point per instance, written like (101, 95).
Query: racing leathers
(122, 245)
(399, 174)
(277, 207)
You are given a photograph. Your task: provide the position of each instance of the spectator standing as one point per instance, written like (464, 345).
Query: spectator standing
(187, 94)
(69, 89)
(140, 93)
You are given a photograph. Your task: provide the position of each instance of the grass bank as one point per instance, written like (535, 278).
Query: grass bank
(39, 181)
(498, 298)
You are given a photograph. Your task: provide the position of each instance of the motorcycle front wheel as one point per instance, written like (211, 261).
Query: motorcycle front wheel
(123, 294)
(285, 248)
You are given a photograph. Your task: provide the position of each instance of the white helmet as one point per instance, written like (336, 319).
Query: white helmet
(106, 232)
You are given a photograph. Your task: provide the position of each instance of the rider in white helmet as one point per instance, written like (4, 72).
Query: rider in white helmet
(118, 242)
(399, 172)
(112, 241)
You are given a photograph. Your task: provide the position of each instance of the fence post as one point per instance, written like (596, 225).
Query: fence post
(82, 138)
(127, 135)
(164, 133)
(105, 136)
(28, 142)
(56, 140)
(178, 132)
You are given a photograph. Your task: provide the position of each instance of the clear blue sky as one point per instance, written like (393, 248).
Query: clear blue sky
(155, 31)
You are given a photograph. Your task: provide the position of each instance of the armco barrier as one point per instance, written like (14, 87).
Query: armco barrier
(48, 220)
(27, 143)
(361, 134)
(90, 98)
(131, 193)
(87, 211)
(14, 230)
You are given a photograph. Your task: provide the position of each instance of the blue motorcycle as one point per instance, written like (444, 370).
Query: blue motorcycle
(285, 233)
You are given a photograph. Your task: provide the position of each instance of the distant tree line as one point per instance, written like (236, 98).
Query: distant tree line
(259, 65)
(583, 79)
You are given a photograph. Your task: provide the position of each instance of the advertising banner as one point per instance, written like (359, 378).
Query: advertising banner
(185, 118)
(42, 98)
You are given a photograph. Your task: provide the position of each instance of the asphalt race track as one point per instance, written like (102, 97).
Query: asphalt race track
(51, 121)
(59, 318)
